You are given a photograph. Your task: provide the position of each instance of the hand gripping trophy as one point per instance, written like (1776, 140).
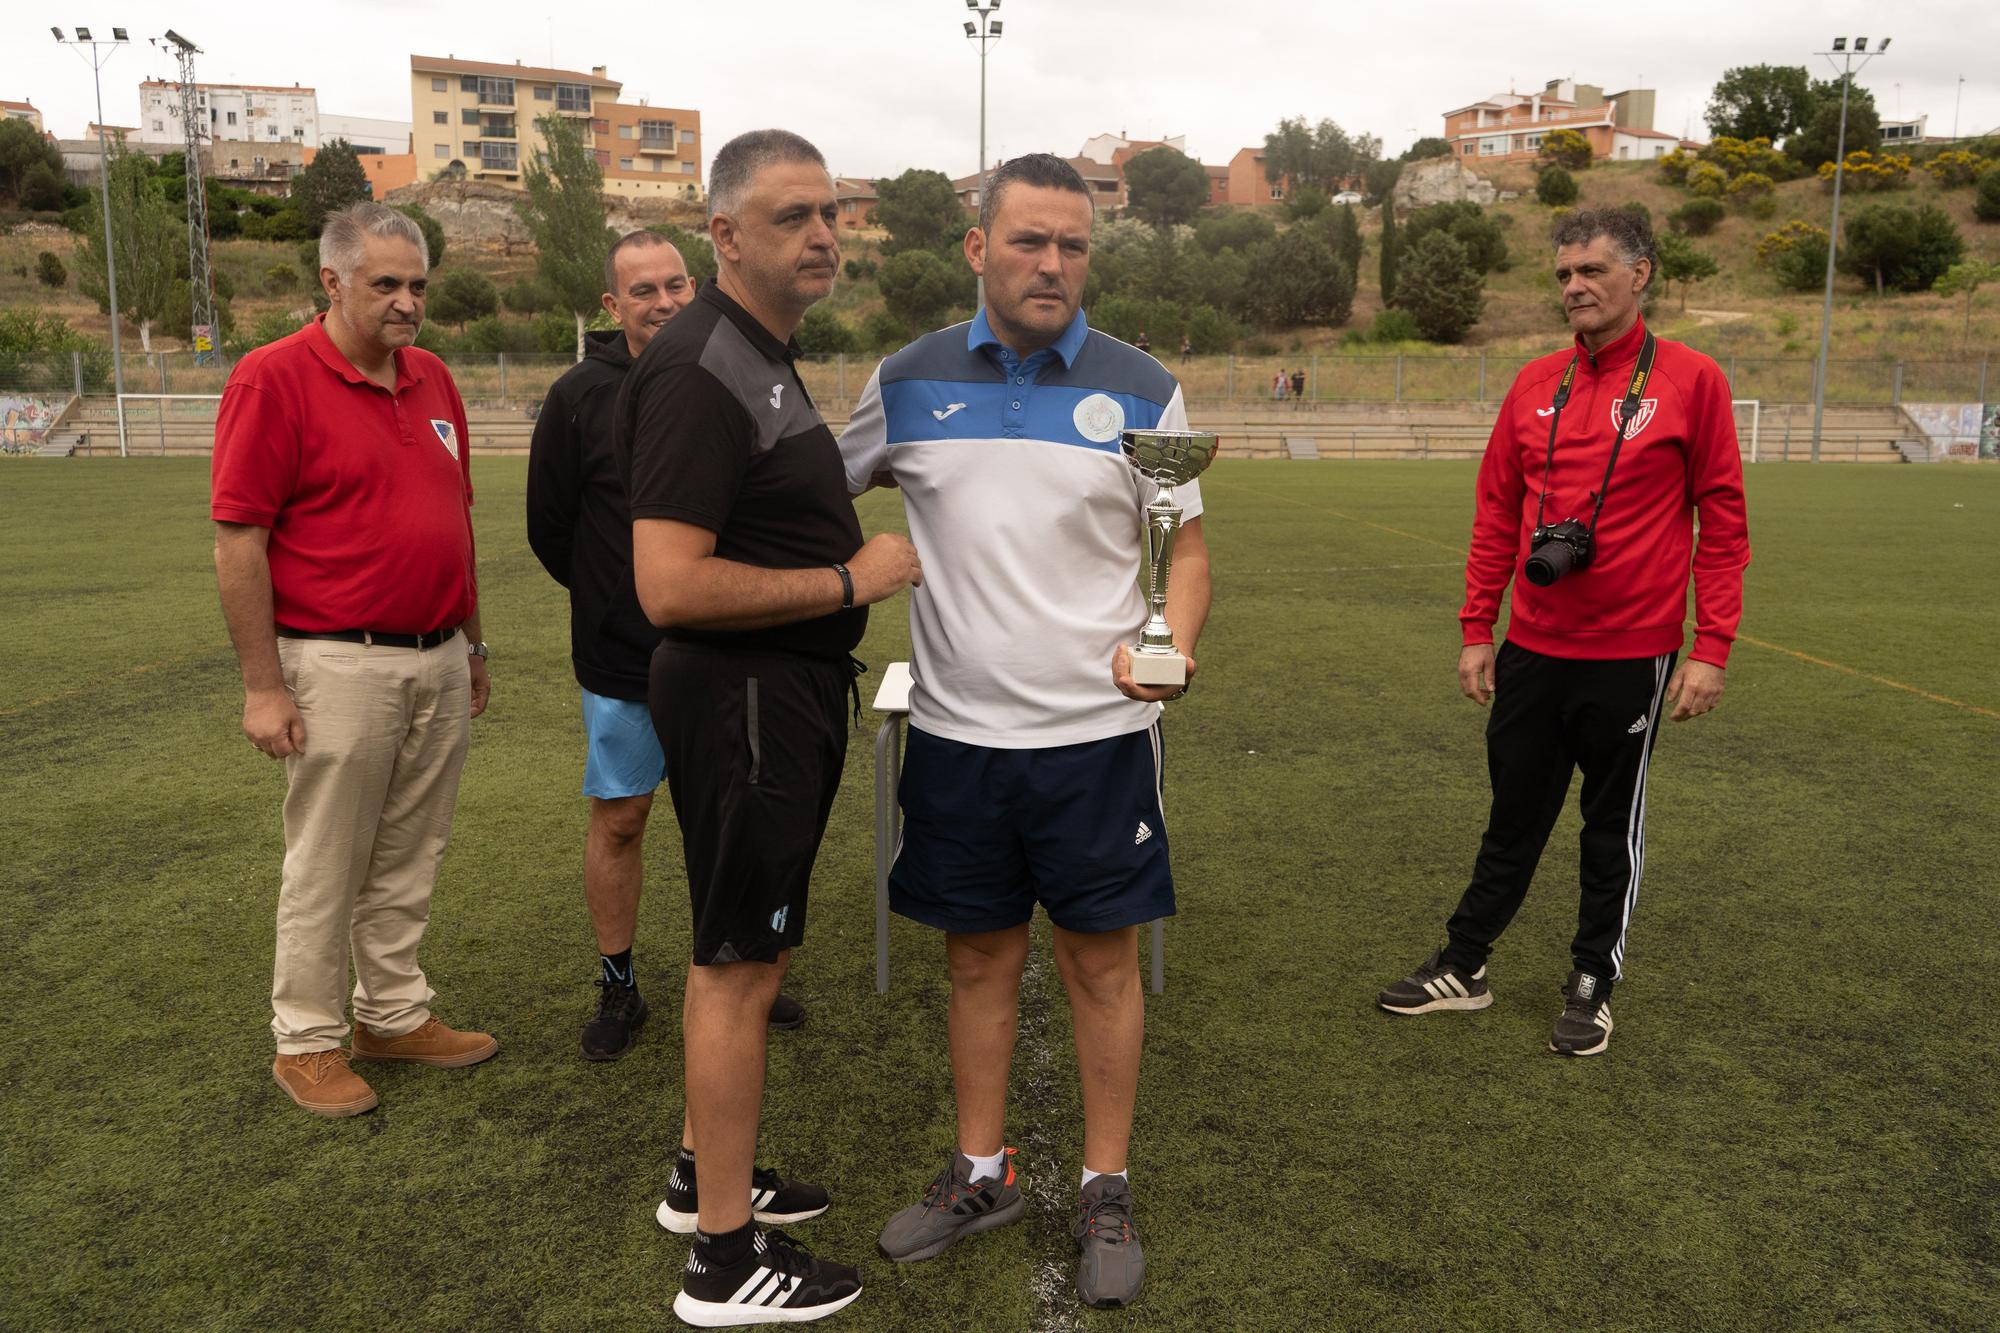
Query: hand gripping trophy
(1167, 458)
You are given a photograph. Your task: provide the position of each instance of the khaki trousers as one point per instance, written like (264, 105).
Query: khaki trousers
(367, 811)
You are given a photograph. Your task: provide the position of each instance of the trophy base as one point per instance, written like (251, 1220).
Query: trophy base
(1158, 668)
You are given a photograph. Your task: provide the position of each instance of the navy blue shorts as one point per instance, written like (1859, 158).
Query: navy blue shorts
(989, 833)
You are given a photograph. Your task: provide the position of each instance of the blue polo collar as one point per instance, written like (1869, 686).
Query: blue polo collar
(980, 335)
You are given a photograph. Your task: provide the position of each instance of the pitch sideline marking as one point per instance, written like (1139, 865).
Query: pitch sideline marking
(1886, 681)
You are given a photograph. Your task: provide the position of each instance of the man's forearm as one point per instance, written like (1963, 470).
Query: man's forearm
(1188, 593)
(243, 575)
(723, 594)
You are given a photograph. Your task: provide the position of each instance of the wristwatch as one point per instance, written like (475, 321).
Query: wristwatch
(478, 650)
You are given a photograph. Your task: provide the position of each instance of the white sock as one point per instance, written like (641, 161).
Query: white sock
(1090, 1175)
(986, 1168)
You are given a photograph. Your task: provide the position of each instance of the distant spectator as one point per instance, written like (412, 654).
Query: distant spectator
(1298, 387)
(1143, 343)
(1187, 349)
(1279, 384)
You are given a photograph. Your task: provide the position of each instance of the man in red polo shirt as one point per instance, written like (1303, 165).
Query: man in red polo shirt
(341, 495)
(1603, 455)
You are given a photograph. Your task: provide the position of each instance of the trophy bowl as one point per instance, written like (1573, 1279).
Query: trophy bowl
(1168, 458)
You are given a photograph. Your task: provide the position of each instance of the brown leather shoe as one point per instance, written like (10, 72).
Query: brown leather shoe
(431, 1044)
(321, 1082)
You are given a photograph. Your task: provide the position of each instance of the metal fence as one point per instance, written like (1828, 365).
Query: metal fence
(509, 380)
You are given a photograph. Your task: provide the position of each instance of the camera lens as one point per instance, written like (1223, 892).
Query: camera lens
(1549, 562)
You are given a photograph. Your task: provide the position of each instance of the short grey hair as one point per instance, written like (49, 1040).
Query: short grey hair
(344, 239)
(739, 161)
(1629, 232)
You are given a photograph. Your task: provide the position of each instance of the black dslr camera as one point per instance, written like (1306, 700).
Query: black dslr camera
(1555, 550)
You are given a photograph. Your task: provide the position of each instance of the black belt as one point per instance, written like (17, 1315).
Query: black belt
(372, 637)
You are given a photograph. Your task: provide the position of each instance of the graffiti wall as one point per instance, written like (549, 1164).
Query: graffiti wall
(1959, 430)
(25, 421)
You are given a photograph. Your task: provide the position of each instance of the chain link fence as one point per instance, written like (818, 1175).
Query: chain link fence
(512, 381)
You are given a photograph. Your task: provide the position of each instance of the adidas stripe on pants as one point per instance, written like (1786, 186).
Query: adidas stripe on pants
(1552, 717)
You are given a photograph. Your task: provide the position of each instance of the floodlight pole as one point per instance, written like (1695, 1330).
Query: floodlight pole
(1846, 71)
(96, 63)
(985, 30)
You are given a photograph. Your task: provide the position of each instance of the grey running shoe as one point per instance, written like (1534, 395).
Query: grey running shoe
(1585, 1025)
(1113, 1266)
(1437, 984)
(952, 1207)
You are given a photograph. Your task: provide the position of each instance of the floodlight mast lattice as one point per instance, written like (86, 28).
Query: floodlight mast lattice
(1846, 69)
(984, 30)
(96, 62)
(201, 281)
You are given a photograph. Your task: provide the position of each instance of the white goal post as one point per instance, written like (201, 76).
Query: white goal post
(159, 413)
(1756, 409)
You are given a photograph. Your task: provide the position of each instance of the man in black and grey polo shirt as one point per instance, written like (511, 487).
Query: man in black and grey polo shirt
(748, 555)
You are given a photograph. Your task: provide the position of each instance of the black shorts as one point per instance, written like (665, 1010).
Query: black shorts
(988, 833)
(754, 743)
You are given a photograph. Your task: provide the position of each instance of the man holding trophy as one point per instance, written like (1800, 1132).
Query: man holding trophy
(1038, 460)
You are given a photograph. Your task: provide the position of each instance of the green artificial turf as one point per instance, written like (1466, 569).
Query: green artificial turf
(1797, 1125)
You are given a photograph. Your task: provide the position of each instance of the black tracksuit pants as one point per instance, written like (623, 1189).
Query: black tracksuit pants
(1551, 717)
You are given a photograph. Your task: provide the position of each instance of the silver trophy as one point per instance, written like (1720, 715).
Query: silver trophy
(1167, 458)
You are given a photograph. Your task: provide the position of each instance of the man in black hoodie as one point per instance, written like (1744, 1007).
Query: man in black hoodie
(580, 525)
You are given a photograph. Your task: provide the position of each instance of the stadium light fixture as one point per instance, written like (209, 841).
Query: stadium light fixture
(1846, 69)
(96, 60)
(985, 30)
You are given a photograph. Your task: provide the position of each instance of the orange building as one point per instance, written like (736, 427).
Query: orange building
(856, 199)
(648, 150)
(388, 171)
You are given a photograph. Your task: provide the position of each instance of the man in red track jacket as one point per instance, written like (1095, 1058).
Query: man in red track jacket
(1596, 622)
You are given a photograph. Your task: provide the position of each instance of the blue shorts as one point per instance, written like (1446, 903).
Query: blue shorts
(625, 758)
(989, 833)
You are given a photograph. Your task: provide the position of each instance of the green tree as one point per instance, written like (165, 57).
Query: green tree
(923, 289)
(1440, 287)
(1899, 246)
(1965, 280)
(332, 181)
(49, 270)
(1697, 217)
(1681, 262)
(148, 242)
(1555, 187)
(1986, 197)
(1817, 140)
(281, 278)
(42, 188)
(1232, 229)
(564, 213)
(1427, 147)
(433, 230)
(821, 333)
(1566, 148)
(1760, 102)
(461, 296)
(1467, 223)
(528, 297)
(1323, 156)
(1165, 186)
(22, 147)
(1298, 279)
(1345, 234)
(1391, 243)
(920, 211)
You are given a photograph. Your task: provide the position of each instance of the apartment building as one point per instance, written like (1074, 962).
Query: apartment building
(1510, 126)
(856, 201)
(20, 111)
(367, 135)
(241, 112)
(478, 118)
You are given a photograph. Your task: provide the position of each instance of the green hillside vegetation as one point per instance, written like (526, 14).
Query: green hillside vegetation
(1212, 280)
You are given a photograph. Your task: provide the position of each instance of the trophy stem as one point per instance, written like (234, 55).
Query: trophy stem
(1163, 520)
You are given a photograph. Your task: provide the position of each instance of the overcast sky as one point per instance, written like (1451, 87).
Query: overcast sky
(882, 85)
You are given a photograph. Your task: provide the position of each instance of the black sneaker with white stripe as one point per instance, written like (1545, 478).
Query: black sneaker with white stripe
(774, 1201)
(777, 1282)
(1437, 984)
(1585, 1025)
